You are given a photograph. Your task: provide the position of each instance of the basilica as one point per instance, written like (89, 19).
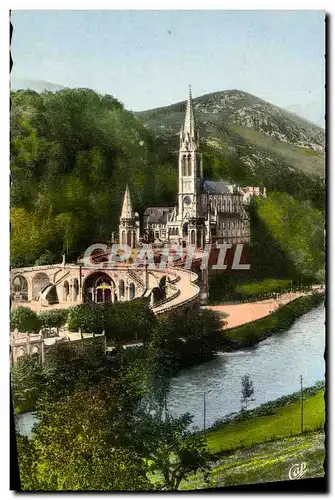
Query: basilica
(207, 211)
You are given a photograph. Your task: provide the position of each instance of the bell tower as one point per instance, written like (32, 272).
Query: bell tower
(189, 171)
(190, 175)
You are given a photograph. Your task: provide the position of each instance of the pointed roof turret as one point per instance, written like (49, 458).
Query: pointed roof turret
(127, 209)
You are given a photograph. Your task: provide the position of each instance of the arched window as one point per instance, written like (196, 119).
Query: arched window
(199, 239)
(229, 205)
(66, 289)
(183, 165)
(189, 165)
(129, 238)
(123, 240)
(177, 232)
(193, 237)
(20, 352)
(75, 289)
(131, 291)
(121, 289)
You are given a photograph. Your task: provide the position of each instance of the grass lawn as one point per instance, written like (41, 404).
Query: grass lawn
(281, 423)
(263, 463)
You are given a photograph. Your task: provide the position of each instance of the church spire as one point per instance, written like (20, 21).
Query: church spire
(189, 124)
(188, 133)
(127, 209)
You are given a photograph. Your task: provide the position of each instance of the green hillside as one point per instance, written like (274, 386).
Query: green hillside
(74, 151)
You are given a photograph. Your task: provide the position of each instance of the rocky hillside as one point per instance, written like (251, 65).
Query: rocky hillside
(255, 132)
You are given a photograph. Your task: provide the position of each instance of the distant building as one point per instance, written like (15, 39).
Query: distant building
(207, 211)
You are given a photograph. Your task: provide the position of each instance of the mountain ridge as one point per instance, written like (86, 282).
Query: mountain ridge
(256, 131)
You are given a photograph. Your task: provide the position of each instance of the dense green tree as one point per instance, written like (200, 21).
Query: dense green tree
(172, 449)
(24, 320)
(27, 382)
(122, 322)
(46, 258)
(55, 318)
(187, 337)
(70, 449)
(72, 153)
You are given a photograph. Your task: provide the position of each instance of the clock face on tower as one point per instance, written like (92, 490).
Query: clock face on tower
(187, 200)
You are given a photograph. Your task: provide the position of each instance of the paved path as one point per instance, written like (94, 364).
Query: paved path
(250, 311)
(188, 290)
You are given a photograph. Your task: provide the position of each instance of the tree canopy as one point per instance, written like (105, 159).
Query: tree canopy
(72, 154)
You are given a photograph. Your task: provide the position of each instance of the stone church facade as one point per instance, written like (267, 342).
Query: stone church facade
(207, 211)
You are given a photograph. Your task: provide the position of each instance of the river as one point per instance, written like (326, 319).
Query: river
(274, 365)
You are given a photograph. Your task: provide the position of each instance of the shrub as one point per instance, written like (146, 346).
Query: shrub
(53, 319)
(25, 320)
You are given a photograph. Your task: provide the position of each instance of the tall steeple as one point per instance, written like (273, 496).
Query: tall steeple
(129, 226)
(127, 209)
(188, 133)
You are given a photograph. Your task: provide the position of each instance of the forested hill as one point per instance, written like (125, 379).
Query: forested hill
(74, 151)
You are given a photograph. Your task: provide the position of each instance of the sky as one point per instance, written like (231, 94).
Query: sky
(147, 59)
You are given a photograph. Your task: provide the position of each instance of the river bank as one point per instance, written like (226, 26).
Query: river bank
(274, 365)
(250, 334)
(274, 420)
(247, 312)
(262, 444)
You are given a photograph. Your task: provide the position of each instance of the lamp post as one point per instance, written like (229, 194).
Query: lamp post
(302, 405)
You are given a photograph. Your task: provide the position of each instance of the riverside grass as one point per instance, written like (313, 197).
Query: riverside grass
(263, 463)
(280, 423)
(263, 447)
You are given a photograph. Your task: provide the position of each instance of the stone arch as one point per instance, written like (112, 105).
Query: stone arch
(98, 287)
(123, 237)
(229, 205)
(66, 291)
(156, 295)
(20, 287)
(121, 289)
(40, 281)
(185, 229)
(193, 237)
(52, 296)
(131, 291)
(162, 282)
